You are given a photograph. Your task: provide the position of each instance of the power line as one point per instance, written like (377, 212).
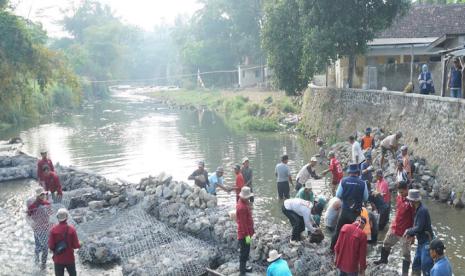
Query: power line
(177, 76)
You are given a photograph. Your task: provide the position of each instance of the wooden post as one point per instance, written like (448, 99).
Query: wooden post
(411, 64)
(444, 76)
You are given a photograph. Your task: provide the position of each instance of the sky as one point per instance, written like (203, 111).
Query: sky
(143, 13)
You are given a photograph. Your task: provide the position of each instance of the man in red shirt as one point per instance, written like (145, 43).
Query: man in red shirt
(239, 181)
(40, 167)
(405, 214)
(336, 170)
(351, 249)
(382, 191)
(52, 184)
(245, 229)
(39, 212)
(59, 232)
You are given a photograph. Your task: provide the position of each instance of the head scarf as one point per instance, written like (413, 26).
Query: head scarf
(424, 68)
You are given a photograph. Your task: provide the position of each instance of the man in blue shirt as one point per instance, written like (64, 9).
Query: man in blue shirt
(353, 192)
(278, 266)
(442, 265)
(423, 231)
(216, 180)
(283, 177)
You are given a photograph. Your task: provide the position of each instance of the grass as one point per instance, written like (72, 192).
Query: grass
(244, 110)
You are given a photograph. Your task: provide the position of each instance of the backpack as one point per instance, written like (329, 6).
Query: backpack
(61, 246)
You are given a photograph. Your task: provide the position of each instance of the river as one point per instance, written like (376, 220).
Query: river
(132, 136)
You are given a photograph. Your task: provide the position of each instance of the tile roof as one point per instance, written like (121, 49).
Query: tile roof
(428, 21)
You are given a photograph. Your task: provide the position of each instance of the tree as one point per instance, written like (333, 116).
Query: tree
(329, 29)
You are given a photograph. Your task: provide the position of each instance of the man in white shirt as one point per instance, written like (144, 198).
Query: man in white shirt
(390, 143)
(332, 213)
(305, 173)
(299, 212)
(357, 154)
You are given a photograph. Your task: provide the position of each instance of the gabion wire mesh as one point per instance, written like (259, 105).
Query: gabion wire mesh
(142, 244)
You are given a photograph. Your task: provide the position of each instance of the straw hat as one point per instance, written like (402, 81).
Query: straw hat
(245, 193)
(40, 191)
(308, 184)
(313, 159)
(62, 214)
(414, 195)
(273, 256)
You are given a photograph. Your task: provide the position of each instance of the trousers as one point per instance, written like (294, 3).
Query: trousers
(243, 255)
(297, 223)
(60, 269)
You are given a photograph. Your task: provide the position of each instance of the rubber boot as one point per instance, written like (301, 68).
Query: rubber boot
(405, 267)
(384, 256)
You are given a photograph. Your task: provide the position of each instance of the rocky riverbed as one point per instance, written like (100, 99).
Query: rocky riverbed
(165, 227)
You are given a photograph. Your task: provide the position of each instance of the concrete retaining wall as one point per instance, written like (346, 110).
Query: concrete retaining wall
(437, 123)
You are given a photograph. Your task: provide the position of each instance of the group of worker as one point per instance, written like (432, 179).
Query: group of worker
(61, 238)
(348, 213)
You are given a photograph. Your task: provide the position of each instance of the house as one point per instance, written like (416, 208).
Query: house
(424, 35)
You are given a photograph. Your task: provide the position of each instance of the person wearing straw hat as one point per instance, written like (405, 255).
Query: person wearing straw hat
(216, 180)
(63, 256)
(247, 174)
(278, 266)
(306, 192)
(306, 172)
(351, 249)
(442, 265)
(353, 192)
(40, 164)
(423, 231)
(245, 229)
(200, 176)
(39, 212)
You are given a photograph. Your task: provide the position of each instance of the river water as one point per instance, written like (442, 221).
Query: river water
(132, 136)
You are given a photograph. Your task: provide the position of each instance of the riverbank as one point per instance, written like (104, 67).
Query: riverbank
(241, 110)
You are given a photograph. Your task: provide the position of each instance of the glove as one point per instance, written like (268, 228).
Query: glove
(248, 240)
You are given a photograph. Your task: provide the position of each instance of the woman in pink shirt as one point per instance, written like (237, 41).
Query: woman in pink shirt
(382, 189)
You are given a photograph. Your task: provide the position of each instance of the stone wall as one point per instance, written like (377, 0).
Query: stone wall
(433, 127)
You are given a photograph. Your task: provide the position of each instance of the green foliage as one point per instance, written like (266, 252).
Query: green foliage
(302, 37)
(28, 70)
(220, 36)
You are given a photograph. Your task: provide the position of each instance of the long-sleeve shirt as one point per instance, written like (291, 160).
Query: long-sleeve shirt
(244, 220)
(421, 225)
(441, 267)
(404, 216)
(198, 173)
(336, 170)
(351, 249)
(278, 268)
(357, 153)
(57, 233)
(40, 164)
(302, 208)
(52, 183)
(39, 211)
(305, 173)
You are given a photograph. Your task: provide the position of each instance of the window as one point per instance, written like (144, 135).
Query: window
(435, 58)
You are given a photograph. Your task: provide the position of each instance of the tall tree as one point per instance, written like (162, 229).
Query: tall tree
(329, 29)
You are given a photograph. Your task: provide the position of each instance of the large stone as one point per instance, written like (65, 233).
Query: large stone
(444, 193)
(96, 205)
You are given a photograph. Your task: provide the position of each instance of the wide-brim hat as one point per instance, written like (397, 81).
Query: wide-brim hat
(414, 195)
(43, 151)
(353, 168)
(245, 192)
(62, 214)
(308, 184)
(273, 256)
(40, 191)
